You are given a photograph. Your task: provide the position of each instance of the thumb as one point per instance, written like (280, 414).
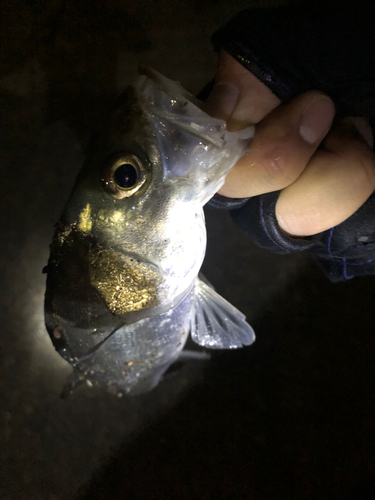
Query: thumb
(238, 96)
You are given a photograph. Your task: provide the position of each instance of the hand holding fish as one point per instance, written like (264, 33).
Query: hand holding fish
(325, 173)
(306, 182)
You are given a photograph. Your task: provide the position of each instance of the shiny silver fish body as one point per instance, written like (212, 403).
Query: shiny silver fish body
(122, 287)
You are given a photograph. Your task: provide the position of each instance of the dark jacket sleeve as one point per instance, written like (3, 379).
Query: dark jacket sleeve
(292, 50)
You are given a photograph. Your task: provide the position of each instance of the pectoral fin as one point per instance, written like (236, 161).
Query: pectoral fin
(217, 324)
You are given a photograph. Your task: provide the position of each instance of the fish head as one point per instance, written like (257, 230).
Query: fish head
(132, 239)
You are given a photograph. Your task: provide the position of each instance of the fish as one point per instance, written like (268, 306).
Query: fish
(123, 288)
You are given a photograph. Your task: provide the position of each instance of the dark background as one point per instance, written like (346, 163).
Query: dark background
(291, 417)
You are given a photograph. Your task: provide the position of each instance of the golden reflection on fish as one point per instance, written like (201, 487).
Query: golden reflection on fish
(85, 222)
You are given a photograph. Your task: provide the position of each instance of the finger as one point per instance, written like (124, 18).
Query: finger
(238, 96)
(282, 146)
(337, 181)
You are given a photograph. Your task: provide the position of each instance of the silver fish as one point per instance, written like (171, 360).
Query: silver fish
(123, 291)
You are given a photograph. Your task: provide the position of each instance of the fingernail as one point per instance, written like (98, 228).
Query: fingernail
(316, 120)
(222, 100)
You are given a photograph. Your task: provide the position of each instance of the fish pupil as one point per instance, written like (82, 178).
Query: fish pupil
(125, 175)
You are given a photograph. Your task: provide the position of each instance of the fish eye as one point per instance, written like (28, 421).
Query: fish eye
(124, 176)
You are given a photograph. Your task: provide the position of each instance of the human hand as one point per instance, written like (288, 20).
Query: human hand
(320, 188)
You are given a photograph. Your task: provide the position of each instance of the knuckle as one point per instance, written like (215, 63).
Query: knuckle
(359, 158)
